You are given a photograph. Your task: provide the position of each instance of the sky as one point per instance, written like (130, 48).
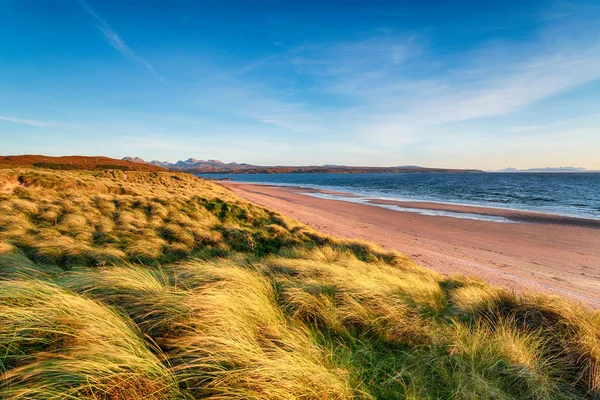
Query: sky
(457, 84)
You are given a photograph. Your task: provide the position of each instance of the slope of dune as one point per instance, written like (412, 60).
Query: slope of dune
(74, 163)
(159, 285)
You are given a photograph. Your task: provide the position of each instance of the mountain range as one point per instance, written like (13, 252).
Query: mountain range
(189, 163)
(194, 165)
(546, 169)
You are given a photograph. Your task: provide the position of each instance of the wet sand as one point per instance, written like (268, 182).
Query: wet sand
(544, 253)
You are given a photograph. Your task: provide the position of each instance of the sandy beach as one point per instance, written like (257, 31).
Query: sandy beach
(544, 253)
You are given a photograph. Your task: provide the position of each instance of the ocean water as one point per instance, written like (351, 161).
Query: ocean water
(569, 194)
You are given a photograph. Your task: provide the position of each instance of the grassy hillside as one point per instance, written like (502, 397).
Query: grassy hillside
(157, 285)
(69, 163)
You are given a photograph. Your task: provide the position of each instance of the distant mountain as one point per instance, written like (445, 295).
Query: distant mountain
(507, 170)
(194, 163)
(164, 164)
(346, 166)
(134, 159)
(190, 163)
(546, 169)
(195, 166)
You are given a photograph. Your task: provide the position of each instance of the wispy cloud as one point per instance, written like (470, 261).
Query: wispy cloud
(30, 122)
(344, 64)
(390, 89)
(393, 76)
(591, 119)
(500, 93)
(113, 38)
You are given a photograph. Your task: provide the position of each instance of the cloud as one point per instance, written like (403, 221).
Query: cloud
(347, 67)
(392, 89)
(585, 120)
(30, 122)
(489, 81)
(495, 93)
(113, 38)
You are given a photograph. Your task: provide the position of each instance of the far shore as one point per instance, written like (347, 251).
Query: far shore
(540, 252)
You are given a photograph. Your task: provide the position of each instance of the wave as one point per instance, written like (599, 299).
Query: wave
(421, 211)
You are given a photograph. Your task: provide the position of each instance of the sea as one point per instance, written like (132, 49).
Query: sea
(566, 194)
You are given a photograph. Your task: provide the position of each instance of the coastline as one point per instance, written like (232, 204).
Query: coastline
(451, 209)
(566, 199)
(540, 252)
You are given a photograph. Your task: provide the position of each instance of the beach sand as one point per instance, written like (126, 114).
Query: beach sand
(544, 253)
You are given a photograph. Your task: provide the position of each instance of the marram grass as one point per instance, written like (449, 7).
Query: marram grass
(145, 285)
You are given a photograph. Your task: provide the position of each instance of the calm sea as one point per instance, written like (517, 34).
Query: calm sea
(570, 194)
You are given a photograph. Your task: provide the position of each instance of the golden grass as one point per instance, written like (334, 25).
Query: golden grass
(238, 344)
(58, 344)
(120, 285)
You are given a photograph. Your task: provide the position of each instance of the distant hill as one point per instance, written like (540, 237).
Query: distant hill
(331, 170)
(547, 169)
(134, 159)
(192, 164)
(75, 163)
(196, 166)
(164, 164)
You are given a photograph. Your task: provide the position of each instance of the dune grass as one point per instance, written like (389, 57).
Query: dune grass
(158, 285)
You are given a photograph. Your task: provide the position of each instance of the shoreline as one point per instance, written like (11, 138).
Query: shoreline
(414, 205)
(540, 252)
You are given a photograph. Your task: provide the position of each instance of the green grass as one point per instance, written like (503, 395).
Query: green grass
(133, 285)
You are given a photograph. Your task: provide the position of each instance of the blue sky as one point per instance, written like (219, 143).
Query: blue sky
(481, 84)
